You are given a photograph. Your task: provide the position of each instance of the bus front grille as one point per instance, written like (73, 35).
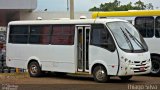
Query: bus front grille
(140, 66)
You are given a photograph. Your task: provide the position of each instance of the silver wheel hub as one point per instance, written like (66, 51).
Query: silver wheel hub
(33, 69)
(100, 74)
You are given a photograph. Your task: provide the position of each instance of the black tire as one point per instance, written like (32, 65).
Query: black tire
(100, 74)
(125, 78)
(155, 70)
(34, 69)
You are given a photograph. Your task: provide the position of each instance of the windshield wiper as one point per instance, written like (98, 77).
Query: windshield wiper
(135, 40)
(127, 39)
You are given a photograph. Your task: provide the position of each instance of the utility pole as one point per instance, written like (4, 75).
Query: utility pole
(67, 5)
(71, 9)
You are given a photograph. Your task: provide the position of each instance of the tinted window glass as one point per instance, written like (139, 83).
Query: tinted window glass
(145, 25)
(98, 34)
(157, 27)
(101, 37)
(42, 34)
(39, 34)
(18, 34)
(18, 29)
(21, 39)
(63, 35)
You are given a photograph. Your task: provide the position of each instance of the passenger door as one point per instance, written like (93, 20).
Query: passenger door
(83, 36)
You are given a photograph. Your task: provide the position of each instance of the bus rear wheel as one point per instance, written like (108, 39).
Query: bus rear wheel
(100, 74)
(34, 69)
(155, 70)
(125, 78)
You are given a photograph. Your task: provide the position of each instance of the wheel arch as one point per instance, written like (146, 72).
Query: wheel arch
(155, 54)
(98, 64)
(31, 59)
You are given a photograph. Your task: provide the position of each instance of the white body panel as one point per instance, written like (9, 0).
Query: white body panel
(153, 44)
(51, 57)
(103, 56)
(63, 58)
(131, 63)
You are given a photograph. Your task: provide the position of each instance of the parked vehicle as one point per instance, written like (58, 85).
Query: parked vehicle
(147, 23)
(102, 47)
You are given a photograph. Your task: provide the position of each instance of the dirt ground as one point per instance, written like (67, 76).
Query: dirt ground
(22, 81)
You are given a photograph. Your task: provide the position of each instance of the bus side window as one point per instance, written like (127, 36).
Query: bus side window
(101, 37)
(18, 34)
(145, 25)
(39, 34)
(63, 35)
(157, 27)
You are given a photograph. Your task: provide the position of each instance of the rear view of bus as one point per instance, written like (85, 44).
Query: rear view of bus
(101, 47)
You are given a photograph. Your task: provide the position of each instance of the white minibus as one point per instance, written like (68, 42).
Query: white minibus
(147, 22)
(100, 47)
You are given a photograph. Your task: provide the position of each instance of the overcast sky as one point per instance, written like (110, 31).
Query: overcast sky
(83, 5)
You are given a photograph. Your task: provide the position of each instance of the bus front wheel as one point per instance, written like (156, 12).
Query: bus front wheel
(100, 74)
(155, 70)
(34, 69)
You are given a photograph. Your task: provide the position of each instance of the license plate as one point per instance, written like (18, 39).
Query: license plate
(142, 69)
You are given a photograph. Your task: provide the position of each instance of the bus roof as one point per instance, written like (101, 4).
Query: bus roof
(78, 21)
(129, 13)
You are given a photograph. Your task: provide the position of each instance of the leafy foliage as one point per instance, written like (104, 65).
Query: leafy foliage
(116, 6)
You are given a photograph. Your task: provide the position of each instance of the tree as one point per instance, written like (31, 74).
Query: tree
(140, 5)
(116, 6)
(126, 7)
(94, 9)
(149, 6)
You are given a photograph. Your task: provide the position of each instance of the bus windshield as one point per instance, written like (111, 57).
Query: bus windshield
(127, 36)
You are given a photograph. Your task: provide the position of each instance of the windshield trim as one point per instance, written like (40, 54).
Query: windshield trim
(126, 50)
